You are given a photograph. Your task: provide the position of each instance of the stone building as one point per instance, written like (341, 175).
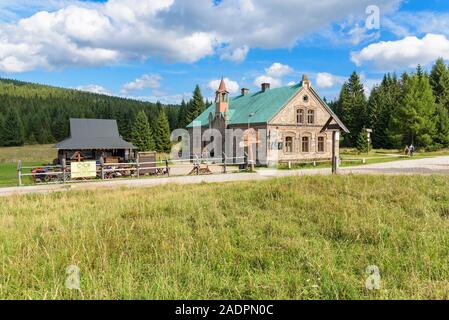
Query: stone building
(292, 124)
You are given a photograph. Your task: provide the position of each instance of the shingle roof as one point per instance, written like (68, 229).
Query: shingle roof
(260, 107)
(93, 134)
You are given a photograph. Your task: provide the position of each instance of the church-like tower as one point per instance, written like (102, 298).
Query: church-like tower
(221, 99)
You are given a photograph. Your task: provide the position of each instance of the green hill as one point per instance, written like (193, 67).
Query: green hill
(42, 112)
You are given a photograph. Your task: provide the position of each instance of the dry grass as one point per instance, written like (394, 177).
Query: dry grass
(32, 153)
(294, 238)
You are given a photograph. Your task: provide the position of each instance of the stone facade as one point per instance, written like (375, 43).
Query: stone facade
(292, 135)
(300, 135)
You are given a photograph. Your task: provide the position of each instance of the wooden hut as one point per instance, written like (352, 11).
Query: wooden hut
(94, 139)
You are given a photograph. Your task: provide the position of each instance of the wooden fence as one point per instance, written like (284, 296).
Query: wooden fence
(56, 174)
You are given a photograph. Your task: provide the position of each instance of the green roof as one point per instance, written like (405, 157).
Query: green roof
(262, 106)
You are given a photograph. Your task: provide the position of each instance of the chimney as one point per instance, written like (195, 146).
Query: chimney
(305, 81)
(265, 87)
(245, 91)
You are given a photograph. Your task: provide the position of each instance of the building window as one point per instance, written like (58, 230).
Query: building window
(305, 144)
(289, 144)
(300, 116)
(320, 144)
(311, 117)
(305, 98)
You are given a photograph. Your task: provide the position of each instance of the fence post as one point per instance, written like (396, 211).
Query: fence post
(102, 167)
(166, 167)
(224, 163)
(138, 167)
(19, 170)
(63, 170)
(246, 161)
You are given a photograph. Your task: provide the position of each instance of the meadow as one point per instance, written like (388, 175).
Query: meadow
(289, 238)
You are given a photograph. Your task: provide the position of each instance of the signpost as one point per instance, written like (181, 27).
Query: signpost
(87, 169)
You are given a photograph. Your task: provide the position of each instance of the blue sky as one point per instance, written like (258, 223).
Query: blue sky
(160, 49)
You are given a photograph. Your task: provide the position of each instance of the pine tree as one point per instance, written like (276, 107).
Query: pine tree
(182, 115)
(438, 78)
(196, 106)
(353, 108)
(2, 124)
(414, 120)
(382, 103)
(363, 144)
(13, 132)
(162, 133)
(142, 137)
(441, 138)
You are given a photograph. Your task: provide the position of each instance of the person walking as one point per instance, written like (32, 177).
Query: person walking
(406, 150)
(411, 150)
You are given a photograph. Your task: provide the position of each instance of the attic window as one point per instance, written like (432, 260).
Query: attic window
(305, 98)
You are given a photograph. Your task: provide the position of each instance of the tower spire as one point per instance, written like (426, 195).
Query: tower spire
(221, 99)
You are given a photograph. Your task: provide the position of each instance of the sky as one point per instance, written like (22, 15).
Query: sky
(158, 50)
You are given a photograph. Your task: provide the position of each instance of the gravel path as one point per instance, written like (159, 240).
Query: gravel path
(438, 165)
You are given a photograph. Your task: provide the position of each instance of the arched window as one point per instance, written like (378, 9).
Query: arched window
(321, 144)
(310, 117)
(305, 144)
(300, 116)
(289, 144)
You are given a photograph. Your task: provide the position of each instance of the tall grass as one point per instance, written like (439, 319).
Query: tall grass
(32, 153)
(292, 238)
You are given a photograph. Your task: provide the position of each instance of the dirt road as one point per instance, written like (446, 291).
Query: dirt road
(438, 165)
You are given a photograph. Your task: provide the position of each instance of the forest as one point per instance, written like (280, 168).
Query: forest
(405, 110)
(39, 114)
(412, 108)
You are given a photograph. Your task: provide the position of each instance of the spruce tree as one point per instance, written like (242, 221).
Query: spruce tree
(363, 145)
(196, 106)
(439, 80)
(13, 132)
(2, 124)
(441, 138)
(162, 133)
(353, 108)
(414, 120)
(142, 136)
(182, 123)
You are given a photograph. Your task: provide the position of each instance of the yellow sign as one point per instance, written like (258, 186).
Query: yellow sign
(86, 169)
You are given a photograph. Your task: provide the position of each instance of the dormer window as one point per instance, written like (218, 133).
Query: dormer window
(300, 116)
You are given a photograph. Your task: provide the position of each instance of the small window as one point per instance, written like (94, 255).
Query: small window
(305, 98)
(311, 117)
(289, 144)
(320, 144)
(305, 144)
(300, 116)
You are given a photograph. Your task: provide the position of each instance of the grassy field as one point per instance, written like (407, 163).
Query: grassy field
(293, 238)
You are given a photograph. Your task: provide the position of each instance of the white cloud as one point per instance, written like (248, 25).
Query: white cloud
(405, 24)
(164, 99)
(273, 75)
(278, 70)
(231, 86)
(234, 54)
(408, 52)
(291, 83)
(274, 82)
(74, 33)
(151, 81)
(94, 88)
(327, 80)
